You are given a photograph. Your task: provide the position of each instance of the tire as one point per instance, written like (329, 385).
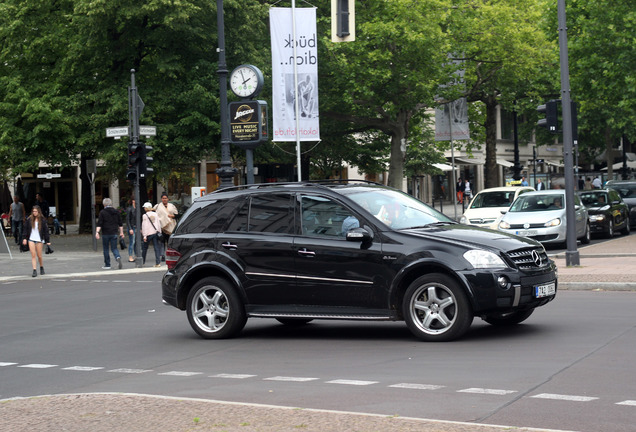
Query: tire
(625, 231)
(214, 309)
(610, 229)
(294, 322)
(436, 309)
(587, 236)
(508, 319)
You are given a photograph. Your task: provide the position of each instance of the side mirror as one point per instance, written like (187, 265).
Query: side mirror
(503, 212)
(359, 235)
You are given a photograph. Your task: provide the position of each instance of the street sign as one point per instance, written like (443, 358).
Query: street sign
(49, 176)
(147, 131)
(115, 132)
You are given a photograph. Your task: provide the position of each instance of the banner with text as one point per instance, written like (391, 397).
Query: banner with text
(283, 92)
(451, 121)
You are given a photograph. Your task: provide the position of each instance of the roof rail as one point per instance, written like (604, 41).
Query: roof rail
(291, 184)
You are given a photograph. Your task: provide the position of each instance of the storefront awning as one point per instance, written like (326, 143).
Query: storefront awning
(470, 161)
(443, 167)
(505, 163)
(551, 162)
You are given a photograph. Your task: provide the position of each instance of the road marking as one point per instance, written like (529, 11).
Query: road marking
(564, 397)
(352, 382)
(130, 371)
(286, 378)
(417, 386)
(628, 403)
(232, 376)
(7, 364)
(180, 373)
(83, 368)
(38, 366)
(487, 391)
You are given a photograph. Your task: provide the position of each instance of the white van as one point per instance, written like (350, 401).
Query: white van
(484, 210)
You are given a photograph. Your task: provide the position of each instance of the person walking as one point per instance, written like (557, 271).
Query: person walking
(131, 224)
(17, 216)
(524, 182)
(597, 183)
(109, 222)
(467, 192)
(166, 212)
(459, 188)
(150, 230)
(540, 185)
(43, 204)
(36, 233)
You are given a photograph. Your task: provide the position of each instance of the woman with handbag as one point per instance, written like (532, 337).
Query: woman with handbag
(36, 233)
(150, 231)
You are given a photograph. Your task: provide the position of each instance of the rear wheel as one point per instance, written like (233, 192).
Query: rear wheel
(508, 319)
(214, 309)
(436, 309)
(625, 231)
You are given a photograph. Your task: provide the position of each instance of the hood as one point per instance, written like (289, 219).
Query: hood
(474, 237)
(533, 217)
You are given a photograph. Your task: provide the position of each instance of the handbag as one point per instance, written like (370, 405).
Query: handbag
(49, 250)
(122, 243)
(24, 247)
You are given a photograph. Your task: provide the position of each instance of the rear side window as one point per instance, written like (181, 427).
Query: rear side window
(207, 216)
(267, 213)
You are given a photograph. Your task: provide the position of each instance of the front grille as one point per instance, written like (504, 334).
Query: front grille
(521, 226)
(481, 221)
(524, 258)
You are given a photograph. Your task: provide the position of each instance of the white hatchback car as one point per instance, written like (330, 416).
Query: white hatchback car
(485, 208)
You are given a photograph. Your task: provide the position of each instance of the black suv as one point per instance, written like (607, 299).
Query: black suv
(346, 250)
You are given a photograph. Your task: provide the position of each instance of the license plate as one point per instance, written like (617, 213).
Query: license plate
(526, 233)
(545, 290)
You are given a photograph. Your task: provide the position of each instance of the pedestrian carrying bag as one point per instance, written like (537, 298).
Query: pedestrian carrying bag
(159, 235)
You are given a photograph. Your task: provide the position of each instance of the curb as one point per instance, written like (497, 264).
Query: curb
(84, 274)
(597, 286)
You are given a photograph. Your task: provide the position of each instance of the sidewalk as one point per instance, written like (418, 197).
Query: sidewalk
(73, 256)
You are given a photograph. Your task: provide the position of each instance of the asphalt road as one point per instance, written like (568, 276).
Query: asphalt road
(569, 367)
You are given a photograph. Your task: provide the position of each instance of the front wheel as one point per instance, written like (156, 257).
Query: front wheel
(587, 236)
(610, 229)
(508, 319)
(436, 309)
(214, 309)
(625, 231)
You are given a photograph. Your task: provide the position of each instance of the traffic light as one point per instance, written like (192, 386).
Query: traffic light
(551, 120)
(145, 160)
(134, 157)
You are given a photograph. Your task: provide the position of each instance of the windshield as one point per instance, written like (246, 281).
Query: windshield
(594, 199)
(395, 209)
(493, 199)
(537, 203)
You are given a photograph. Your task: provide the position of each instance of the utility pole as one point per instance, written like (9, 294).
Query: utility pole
(572, 254)
(133, 101)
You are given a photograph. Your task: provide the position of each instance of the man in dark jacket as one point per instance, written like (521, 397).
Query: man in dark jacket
(109, 223)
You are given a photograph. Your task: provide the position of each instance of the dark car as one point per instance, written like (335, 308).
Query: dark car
(606, 211)
(627, 191)
(346, 250)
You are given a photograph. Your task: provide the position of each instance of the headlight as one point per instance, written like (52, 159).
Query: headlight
(597, 218)
(463, 220)
(504, 225)
(480, 259)
(553, 223)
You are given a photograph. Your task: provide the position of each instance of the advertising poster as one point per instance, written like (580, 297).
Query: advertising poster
(306, 60)
(452, 118)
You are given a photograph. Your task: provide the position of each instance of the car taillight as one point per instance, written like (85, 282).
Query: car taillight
(172, 256)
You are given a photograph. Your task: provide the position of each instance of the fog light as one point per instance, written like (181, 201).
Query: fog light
(503, 282)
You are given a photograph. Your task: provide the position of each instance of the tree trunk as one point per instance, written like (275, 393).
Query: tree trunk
(490, 169)
(399, 133)
(85, 223)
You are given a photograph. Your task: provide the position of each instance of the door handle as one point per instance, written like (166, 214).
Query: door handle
(228, 245)
(305, 252)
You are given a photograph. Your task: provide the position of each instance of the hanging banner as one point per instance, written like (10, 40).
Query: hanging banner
(451, 121)
(306, 60)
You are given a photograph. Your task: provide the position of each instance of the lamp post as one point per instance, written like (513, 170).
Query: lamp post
(225, 172)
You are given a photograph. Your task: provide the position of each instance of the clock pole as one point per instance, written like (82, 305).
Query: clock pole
(225, 171)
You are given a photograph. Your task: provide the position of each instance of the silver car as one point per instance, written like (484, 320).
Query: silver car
(541, 216)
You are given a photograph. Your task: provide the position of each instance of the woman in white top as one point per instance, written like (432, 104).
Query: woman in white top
(36, 233)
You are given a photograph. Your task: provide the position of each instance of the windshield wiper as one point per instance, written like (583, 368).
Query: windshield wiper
(434, 224)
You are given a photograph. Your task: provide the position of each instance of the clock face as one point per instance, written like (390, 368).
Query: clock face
(246, 81)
